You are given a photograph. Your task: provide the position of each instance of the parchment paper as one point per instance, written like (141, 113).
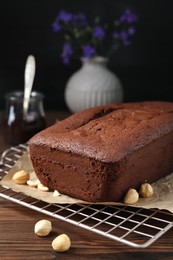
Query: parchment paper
(161, 199)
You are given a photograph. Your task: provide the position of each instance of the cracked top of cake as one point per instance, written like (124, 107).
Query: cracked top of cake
(111, 132)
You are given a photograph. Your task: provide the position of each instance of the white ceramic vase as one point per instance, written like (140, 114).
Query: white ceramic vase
(92, 85)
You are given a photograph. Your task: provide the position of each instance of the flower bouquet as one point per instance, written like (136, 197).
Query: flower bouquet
(83, 39)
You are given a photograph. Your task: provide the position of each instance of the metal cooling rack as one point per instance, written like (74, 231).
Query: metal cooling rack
(132, 226)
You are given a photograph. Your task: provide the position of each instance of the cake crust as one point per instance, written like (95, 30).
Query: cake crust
(97, 154)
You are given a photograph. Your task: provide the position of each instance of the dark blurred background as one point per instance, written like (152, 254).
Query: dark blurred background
(145, 68)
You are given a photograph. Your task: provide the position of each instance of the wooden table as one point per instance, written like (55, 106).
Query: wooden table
(18, 241)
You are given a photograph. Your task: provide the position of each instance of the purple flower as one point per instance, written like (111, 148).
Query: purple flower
(79, 20)
(124, 35)
(131, 30)
(56, 27)
(126, 43)
(67, 53)
(115, 46)
(121, 36)
(99, 32)
(128, 16)
(64, 16)
(88, 51)
(115, 35)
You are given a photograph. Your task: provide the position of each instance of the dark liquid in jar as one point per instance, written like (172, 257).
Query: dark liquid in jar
(21, 130)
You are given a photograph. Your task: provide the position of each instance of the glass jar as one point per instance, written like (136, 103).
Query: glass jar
(17, 128)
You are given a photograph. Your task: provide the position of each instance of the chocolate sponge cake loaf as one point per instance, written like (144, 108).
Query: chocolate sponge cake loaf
(98, 153)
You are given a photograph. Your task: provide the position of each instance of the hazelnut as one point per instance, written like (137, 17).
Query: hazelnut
(131, 197)
(41, 187)
(61, 243)
(21, 177)
(43, 228)
(33, 183)
(146, 190)
(56, 193)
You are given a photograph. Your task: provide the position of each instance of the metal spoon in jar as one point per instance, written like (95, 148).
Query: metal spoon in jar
(29, 79)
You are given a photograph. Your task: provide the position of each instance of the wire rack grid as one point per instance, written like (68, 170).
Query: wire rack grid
(136, 227)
